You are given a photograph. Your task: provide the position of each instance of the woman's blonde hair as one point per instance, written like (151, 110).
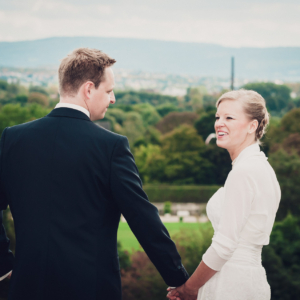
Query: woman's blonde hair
(254, 105)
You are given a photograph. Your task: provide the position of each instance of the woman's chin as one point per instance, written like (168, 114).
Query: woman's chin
(221, 144)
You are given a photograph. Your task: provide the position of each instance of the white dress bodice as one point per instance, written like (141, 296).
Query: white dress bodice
(242, 214)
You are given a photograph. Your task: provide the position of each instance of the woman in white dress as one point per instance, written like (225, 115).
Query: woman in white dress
(242, 212)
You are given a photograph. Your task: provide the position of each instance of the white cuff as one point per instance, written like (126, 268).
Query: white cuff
(213, 260)
(3, 277)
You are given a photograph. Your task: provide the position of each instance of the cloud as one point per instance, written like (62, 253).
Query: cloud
(230, 23)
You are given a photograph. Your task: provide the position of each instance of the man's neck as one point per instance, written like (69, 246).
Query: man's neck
(72, 103)
(74, 100)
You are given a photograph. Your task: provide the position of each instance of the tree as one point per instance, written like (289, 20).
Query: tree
(3, 85)
(277, 96)
(14, 114)
(290, 122)
(148, 113)
(179, 160)
(205, 125)
(194, 97)
(220, 164)
(175, 119)
(166, 108)
(287, 169)
(133, 127)
(281, 259)
(182, 139)
(38, 98)
(38, 89)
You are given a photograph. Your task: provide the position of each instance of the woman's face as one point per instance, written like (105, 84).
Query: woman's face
(233, 127)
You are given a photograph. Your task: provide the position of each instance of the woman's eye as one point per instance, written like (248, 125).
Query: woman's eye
(229, 118)
(217, 118)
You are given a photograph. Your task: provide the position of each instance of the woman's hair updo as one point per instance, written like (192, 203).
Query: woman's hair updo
(254, 105)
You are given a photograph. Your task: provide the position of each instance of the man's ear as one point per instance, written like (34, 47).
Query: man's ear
(87, 89)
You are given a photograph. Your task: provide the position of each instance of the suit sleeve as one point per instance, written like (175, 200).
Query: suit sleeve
(6, 256)
(143, 217)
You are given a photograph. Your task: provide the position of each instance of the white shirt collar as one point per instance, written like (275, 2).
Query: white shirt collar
(73, 106)
(252, 150)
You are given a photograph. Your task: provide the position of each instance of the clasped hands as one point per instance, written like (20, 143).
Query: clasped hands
(182, 293)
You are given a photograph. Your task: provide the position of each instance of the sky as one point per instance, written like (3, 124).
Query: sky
(234, 23)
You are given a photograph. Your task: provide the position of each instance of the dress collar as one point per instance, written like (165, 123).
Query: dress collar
(73, 106)
(252, 150)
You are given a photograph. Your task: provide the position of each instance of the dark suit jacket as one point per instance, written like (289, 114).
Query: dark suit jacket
(67, 181)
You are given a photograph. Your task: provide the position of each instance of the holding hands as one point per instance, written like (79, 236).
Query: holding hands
(182, 293)
(189, 290)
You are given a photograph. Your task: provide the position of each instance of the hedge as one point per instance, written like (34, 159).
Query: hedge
(180, 193)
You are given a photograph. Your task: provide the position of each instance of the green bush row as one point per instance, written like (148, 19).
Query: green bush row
(180, 193)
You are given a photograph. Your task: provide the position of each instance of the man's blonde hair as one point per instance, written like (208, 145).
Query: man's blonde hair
(254, 106)
(82, 65)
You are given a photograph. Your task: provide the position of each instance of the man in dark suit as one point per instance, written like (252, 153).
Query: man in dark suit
(67, 182)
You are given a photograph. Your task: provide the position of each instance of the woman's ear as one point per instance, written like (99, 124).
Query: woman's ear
(253, 126)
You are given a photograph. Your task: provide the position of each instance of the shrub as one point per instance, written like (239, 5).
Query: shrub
(281, 259)
(142, 281)
(168, 207)
(180, 193)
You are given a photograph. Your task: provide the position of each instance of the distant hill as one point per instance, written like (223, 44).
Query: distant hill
(161, 56)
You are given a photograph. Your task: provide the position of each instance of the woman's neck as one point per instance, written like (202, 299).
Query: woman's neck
(235, 152)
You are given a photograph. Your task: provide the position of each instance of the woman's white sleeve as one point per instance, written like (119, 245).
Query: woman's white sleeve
(235, 211)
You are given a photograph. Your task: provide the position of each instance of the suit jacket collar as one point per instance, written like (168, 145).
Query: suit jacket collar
(69, 113)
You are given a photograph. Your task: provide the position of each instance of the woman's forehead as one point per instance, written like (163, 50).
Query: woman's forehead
(228, 106)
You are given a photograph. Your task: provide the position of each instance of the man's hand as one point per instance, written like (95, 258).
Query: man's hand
(182, 293)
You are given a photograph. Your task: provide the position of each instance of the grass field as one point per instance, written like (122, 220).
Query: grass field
(130, 243)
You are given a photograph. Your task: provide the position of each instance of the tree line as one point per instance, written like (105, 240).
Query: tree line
(166, 136)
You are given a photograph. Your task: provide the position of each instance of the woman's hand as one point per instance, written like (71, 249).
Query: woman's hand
(182, 293)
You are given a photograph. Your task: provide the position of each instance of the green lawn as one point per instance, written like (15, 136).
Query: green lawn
(129, 241)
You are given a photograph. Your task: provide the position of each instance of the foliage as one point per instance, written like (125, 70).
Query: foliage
(148, 113)
(175, 119)
(38, 98)
(194, 98)
(10, 228)
(13, 114)
(38, 89)
(166, 108)
(180, 193)
(281, 259)
(290, 122)
(3, 85)
(220, 164)
(287, 169)
(205, 125)
(168, 207)
(142, 281)
(178, 161)
(192, 244)
(133, 97)
(277, 96)
(124, 257)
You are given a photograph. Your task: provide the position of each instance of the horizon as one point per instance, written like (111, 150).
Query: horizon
(150, 39)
